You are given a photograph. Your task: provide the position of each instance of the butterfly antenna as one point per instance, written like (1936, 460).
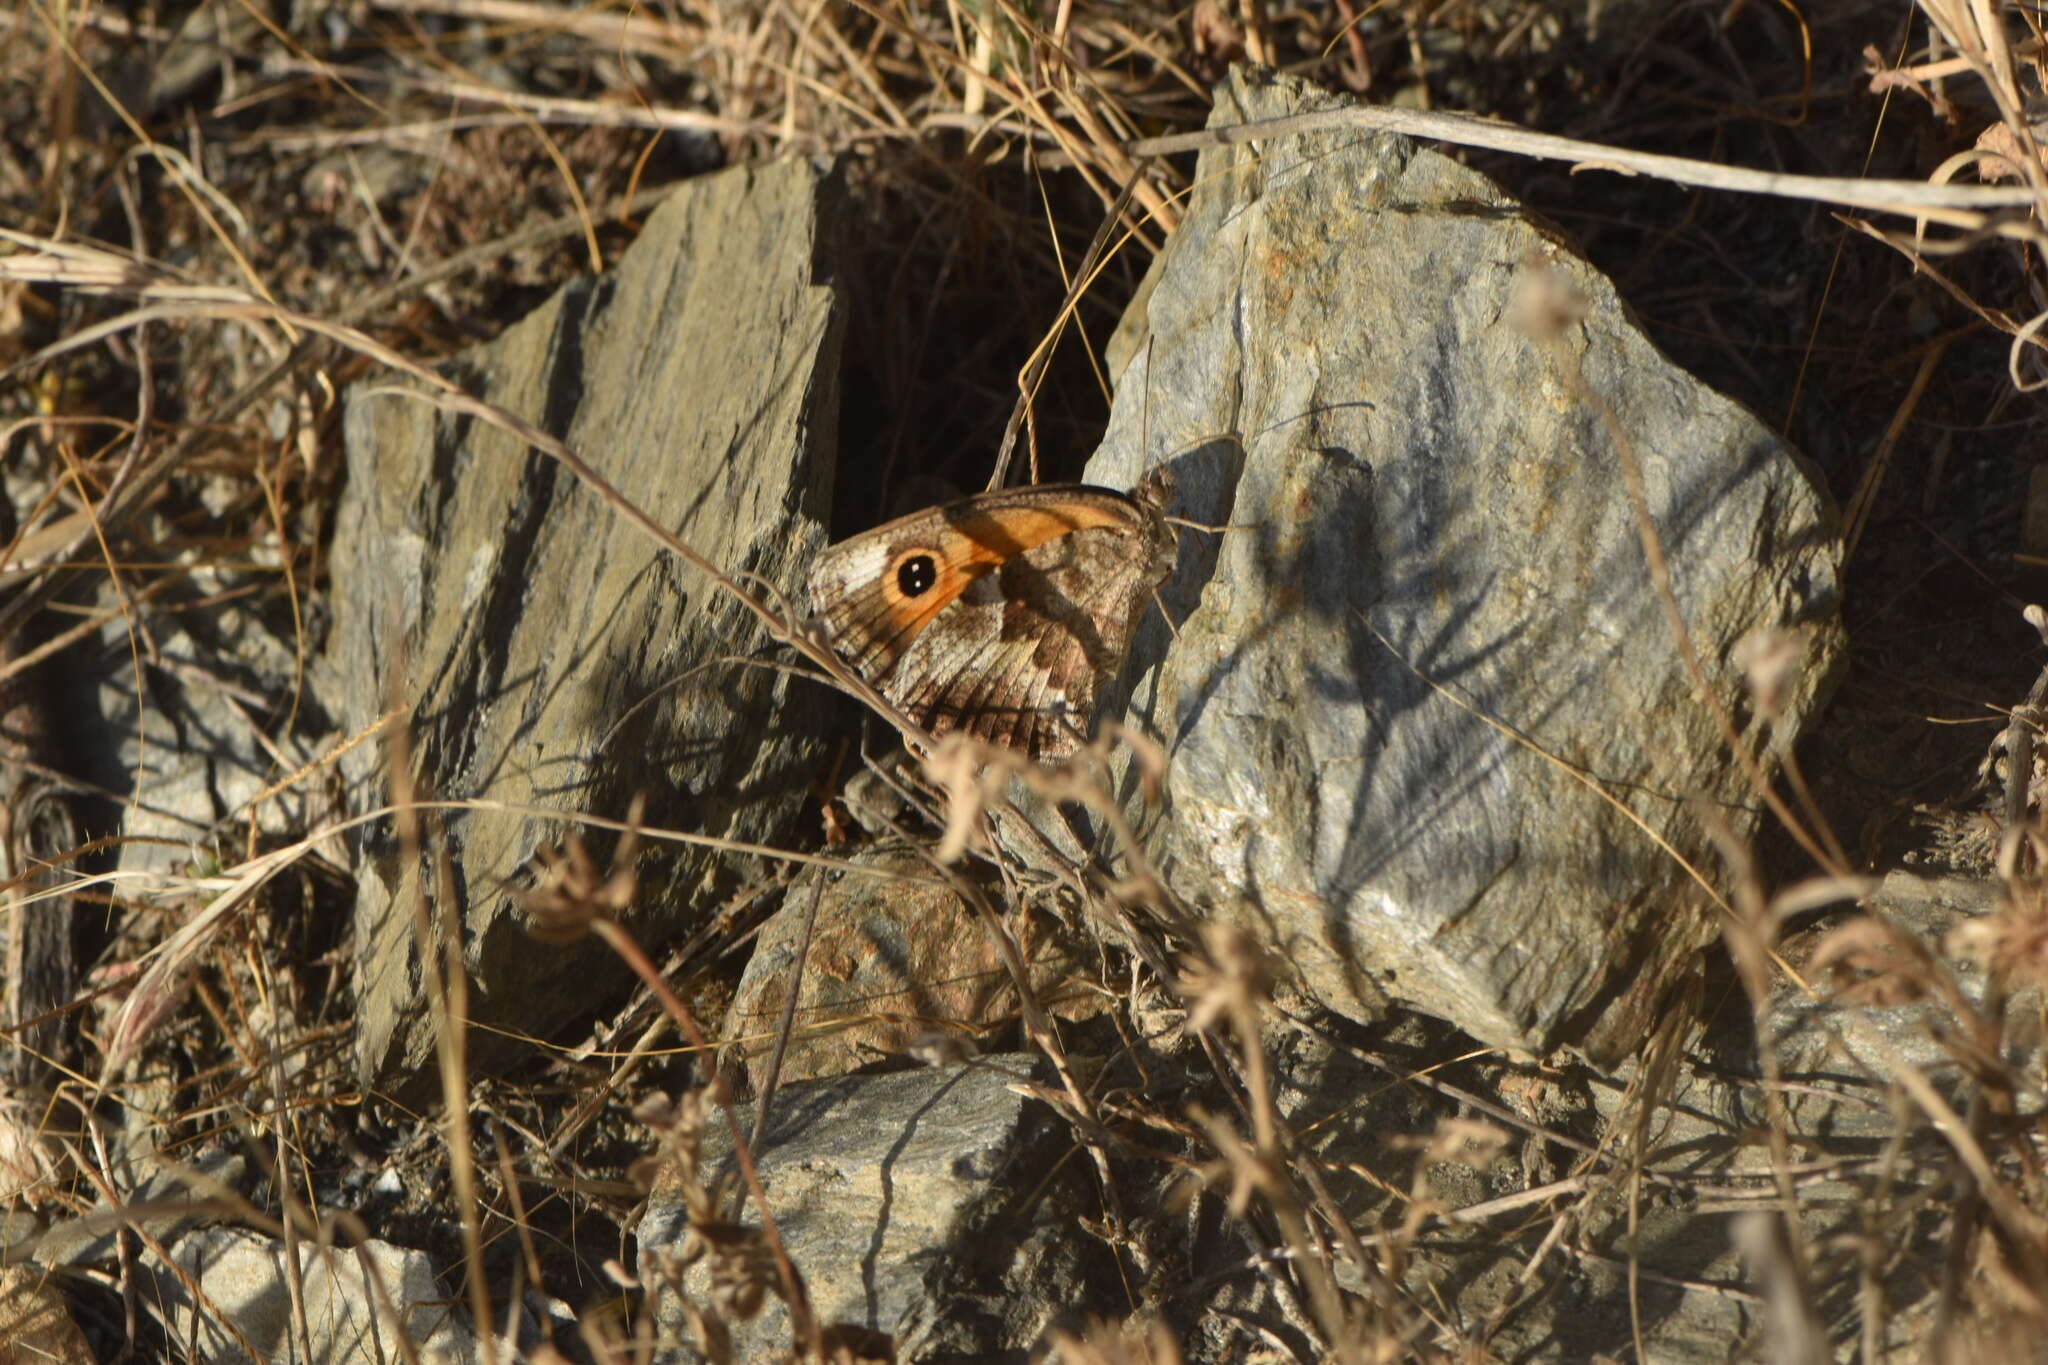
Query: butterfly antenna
(1205, 526)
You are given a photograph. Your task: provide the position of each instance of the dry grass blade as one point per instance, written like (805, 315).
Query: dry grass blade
(160, 989)
(1969, 207)
(574, 898)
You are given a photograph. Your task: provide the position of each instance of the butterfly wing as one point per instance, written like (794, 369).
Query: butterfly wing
(1020, 657)
(1002, 614)
(876, 591)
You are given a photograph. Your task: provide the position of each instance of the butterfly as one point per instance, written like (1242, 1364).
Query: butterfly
(1003, 614)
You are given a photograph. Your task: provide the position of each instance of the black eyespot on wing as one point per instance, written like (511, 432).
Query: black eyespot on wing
(916, 573)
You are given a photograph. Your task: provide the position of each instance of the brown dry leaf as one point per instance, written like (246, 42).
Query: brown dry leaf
(2004, 153)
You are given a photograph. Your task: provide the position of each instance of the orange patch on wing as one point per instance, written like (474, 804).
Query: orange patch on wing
(974, 542)
(907, 615)
(1010, 531)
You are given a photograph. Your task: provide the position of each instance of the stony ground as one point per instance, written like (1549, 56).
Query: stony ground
(199, 200)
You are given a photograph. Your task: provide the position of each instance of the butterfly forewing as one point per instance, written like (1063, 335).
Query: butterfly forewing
(1003, 614)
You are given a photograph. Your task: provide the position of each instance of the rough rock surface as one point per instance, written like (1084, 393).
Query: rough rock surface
(360, 1302)
(35, 1322)
(206, 758)
(1430, 497)
(892, 958)
(922, 1205)
(526, 621)
(1850, 1050)
(1866, 1154)
(178, 1199)
(246, 1309)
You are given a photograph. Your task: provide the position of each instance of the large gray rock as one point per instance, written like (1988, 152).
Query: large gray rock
(1423, 490)
(526, 621)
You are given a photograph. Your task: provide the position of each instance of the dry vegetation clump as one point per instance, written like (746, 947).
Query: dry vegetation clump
(217, 216)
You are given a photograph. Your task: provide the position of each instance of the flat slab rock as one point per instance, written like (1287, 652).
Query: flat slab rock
(894, 957)
(525, 621)
(1432, 560)
(929, 1207)
(1851, 1051)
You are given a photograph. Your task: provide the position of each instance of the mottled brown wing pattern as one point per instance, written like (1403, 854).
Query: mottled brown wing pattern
(1033, 596)
(1037, 641)
(858, 589)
